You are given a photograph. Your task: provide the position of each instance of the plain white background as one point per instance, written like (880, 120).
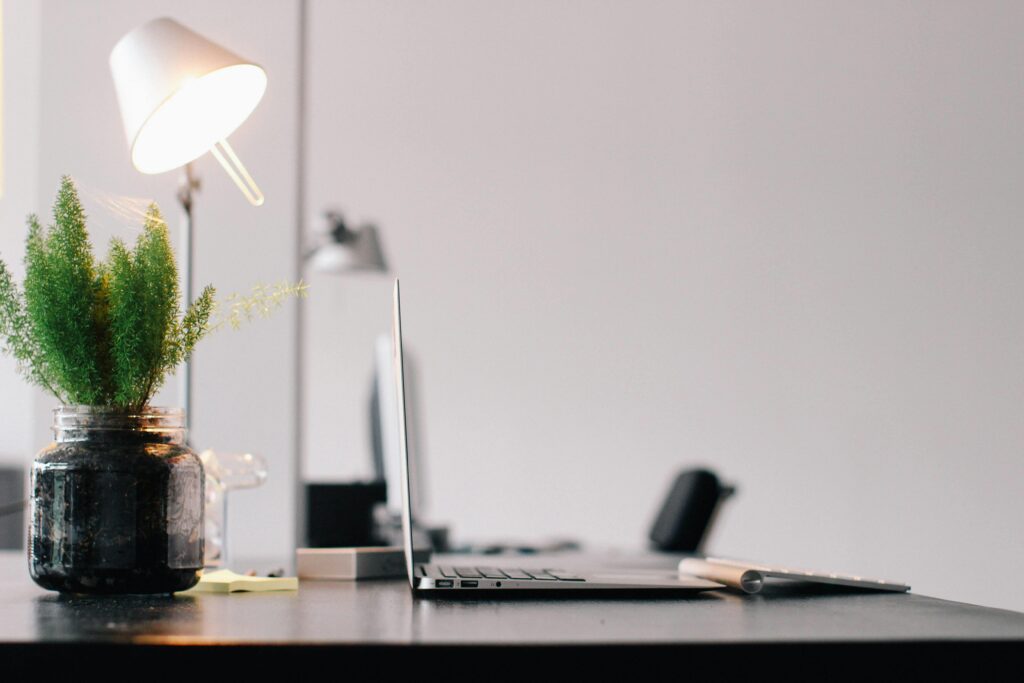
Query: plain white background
(778, 239)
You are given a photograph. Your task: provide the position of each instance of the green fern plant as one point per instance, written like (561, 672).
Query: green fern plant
(106, 334)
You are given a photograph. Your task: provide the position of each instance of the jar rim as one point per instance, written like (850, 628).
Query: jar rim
(149, 412)
(72, 421)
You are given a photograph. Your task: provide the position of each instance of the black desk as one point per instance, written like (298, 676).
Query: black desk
(345, 623)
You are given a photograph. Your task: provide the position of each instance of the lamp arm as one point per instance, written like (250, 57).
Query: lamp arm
(237, 171)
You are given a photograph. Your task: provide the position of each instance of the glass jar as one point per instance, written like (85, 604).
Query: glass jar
(117, 504)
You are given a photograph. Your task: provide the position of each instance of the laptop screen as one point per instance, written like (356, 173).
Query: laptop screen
(403, 438)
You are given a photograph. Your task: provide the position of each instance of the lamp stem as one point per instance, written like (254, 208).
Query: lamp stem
(187, 188)
(236, 170)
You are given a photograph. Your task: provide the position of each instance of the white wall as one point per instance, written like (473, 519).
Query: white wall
(244, 381)
(780, 239)
(20, 170)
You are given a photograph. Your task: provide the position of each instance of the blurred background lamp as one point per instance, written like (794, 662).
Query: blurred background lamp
(182, 95)
(346, 250)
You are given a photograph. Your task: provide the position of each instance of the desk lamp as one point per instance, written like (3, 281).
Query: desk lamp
(339, 250)
(346, 250)
(182, 95)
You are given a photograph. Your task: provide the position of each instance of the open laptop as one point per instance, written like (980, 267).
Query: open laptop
(467, 578)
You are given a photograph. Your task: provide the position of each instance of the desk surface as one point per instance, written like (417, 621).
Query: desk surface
(350, 615)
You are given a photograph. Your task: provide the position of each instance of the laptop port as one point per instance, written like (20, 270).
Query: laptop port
(468, 584)
(444, 583)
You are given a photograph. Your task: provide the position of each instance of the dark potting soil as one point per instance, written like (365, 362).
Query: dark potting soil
(121, 512)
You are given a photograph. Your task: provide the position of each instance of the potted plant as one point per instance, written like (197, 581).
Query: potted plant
(117, 498)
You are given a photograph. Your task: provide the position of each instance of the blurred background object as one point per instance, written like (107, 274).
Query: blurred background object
(343, 250)
(226, 472)
(341, 515)
(13, 507)
(689, 512)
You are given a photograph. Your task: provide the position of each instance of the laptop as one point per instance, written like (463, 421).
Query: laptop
(467, 578)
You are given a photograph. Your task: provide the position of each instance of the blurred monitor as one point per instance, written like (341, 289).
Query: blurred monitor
(384, 425)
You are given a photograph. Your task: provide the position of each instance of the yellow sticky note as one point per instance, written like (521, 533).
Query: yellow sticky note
(227, 581)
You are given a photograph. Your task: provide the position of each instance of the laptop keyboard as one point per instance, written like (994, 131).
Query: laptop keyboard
(505, 573)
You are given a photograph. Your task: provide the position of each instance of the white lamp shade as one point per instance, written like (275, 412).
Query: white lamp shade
(361, 253)
(179, 93)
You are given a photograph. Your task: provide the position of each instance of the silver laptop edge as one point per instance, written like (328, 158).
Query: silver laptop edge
(429, 577)
(396, 339)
